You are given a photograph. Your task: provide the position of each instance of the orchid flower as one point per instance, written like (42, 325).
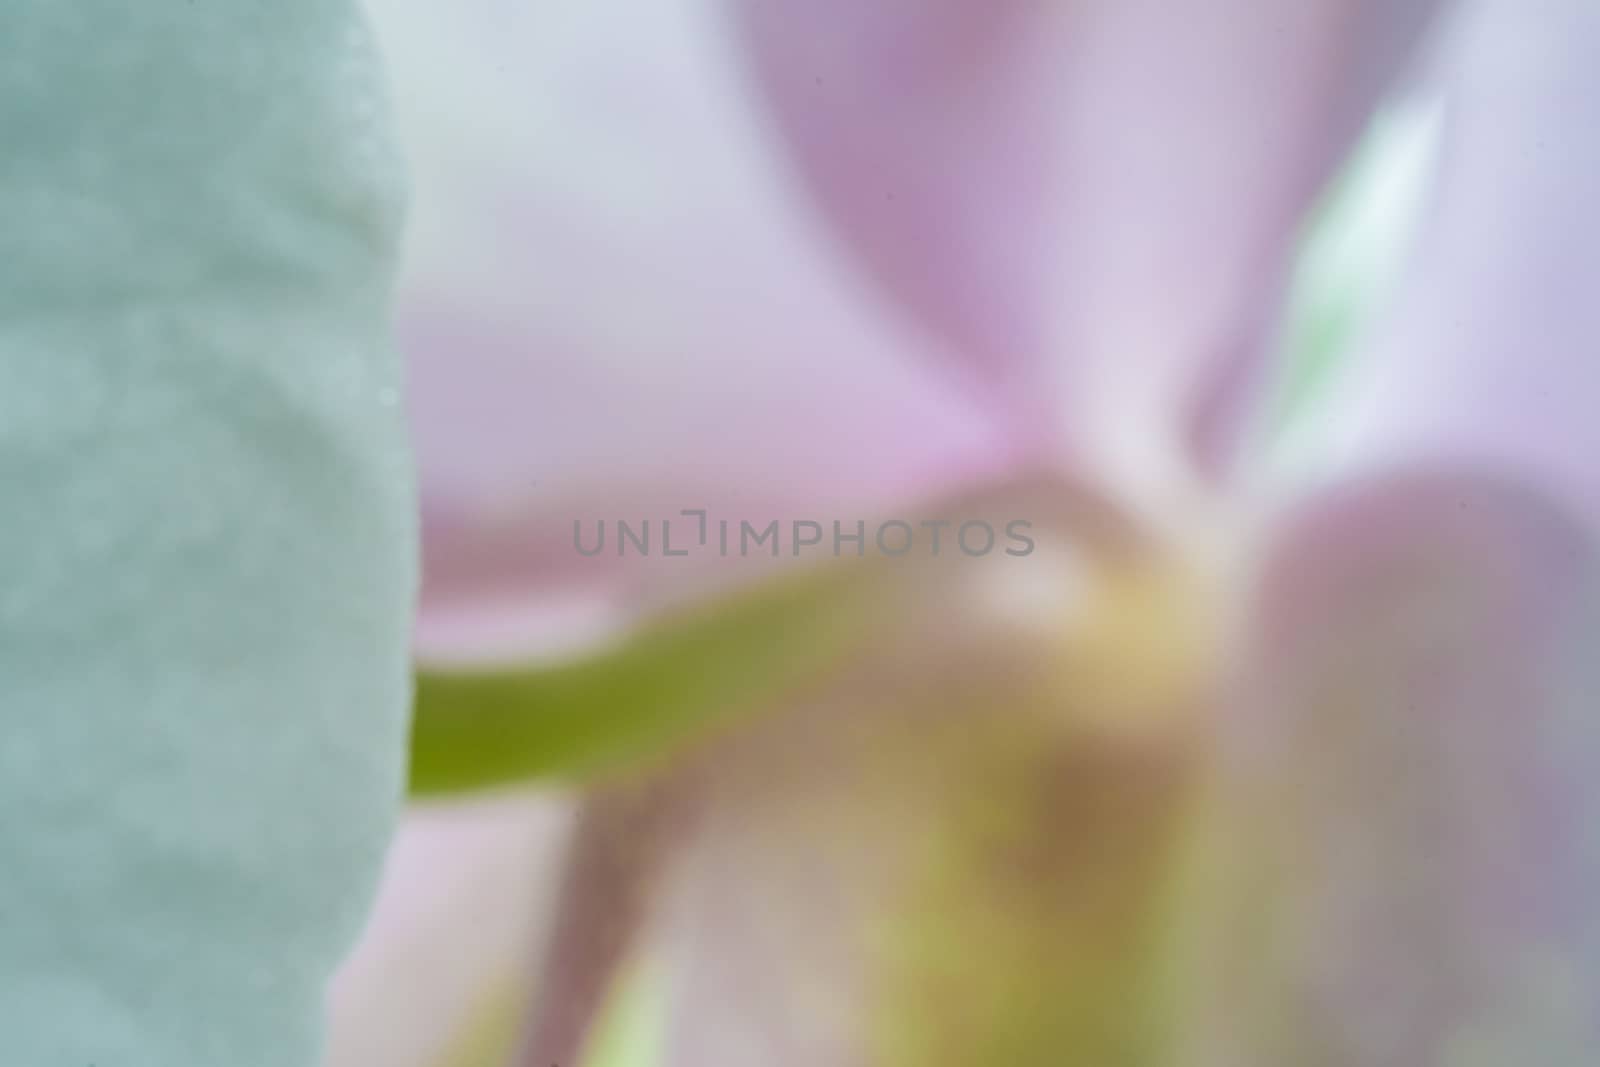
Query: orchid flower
(208, 534)
(1272, 749)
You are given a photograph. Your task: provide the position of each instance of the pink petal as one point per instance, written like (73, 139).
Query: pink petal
(465, 895)
(1421, 754)
(1411, 872)
(626, 835)
(617, 307)
(1488, 355)
(1091, 203)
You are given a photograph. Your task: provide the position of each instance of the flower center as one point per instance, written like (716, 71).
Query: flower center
(1035, 919)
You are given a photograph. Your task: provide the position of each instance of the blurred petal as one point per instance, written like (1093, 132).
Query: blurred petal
(971, 900)
(1066, 192)
(208, 535)
(1422, 750)
(962, 850)
(1409, 800)
(1487, 356)
(626, 834)
(1351, 261)
(464, 895)
(617, 308)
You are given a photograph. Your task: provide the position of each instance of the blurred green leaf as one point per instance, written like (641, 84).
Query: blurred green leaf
(670, 682)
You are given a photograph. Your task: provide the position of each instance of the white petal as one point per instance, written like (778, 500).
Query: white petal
(208, 534)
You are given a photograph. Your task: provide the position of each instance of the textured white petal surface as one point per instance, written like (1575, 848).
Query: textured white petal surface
(207, 548)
